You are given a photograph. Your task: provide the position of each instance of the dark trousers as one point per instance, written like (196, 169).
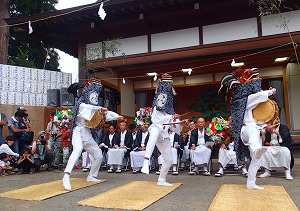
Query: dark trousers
(26, 166)
(48, 160)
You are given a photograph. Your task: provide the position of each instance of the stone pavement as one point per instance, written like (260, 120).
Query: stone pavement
(196, 193)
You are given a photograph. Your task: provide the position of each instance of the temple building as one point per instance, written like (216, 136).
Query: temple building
(195, 41)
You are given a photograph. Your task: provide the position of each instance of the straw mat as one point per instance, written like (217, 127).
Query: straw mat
(136, 195)
(238, 197)
(46, 190)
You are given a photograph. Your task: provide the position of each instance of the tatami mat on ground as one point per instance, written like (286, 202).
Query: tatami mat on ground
(46, 190)
(136, 195)
(237, 197)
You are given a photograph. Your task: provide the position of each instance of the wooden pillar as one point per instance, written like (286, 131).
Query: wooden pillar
(4, 32)
(82, 74)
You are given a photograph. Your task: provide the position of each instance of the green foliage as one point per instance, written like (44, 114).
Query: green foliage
(267, 7)
(21, 59)
(22, 43)
(209, 105)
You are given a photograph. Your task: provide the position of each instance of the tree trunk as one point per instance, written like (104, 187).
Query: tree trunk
(4, 31)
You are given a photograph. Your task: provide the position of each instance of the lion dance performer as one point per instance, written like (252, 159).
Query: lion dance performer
(247, 94)
(87, 106)
(162, 117)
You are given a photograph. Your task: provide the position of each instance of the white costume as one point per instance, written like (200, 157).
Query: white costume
(174, 152)
(250, 135)
(159, 136)
(82, 139)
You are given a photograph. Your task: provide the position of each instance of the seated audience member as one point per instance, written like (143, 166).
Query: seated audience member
(227, 155)
(108, 139)
(5, 167)
(7, 148)
(26, 162)
(177, 145)
(276, 156)
(41, 152)
(186, 142)
(17, 126)
(133, 130)
(87, 161)
(139, 149)
(121, 146)
(199, 152)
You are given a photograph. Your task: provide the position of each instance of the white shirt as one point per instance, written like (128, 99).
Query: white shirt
(275, 140)
(110, 137)
(201, 140)
(122, 143)
(5, 148)
(144, 136)
(134, 135)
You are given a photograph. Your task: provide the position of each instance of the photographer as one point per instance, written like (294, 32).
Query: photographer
(41, 152)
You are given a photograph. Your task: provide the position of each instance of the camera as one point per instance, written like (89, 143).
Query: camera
(43, 142)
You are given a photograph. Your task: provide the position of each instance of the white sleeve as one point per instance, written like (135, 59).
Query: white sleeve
(259, 97)
(5, 148)
(110, 115)
(87, 111)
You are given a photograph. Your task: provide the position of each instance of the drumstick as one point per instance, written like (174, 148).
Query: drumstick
(184, 114)
(172, 123)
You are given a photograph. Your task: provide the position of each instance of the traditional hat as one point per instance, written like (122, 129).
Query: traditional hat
(92, 81)
(246, 75)
(73, 88)
(228, 82)
(166, 77)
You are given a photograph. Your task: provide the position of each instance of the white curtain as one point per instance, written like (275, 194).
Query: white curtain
(140, 99)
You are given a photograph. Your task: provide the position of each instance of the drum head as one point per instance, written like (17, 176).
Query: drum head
(265, 112)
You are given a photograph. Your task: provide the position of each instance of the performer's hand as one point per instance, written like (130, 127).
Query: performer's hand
(273, 90)
(185, 122)
(223, 146)
(176, 116)
(193, 147)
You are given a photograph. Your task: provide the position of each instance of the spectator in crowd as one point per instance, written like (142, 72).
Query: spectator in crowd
(108, 139)
(121, 148)
(52, 131)
(17, 126)
(66, 143)
(186, 142)
(228, 155)
(7, 148)
(276, 137)
(139, 149)
(200, 152)
(133, 130)
(26, 163)
(5, 167)
(3, 122)
(41, 152)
